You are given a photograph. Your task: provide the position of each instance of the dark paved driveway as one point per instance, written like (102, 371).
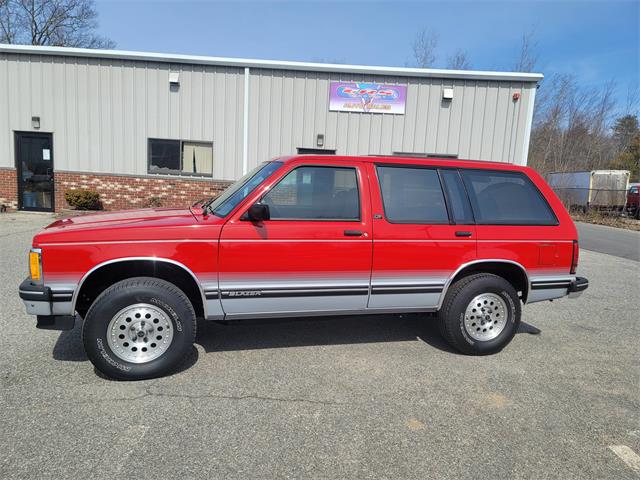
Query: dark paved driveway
(614, 241)
(362, 397)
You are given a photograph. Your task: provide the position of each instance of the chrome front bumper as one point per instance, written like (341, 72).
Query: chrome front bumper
(51, 308)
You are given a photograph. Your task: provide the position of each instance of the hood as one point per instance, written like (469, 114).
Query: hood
(144, 224)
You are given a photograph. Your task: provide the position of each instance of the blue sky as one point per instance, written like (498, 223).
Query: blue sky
(595, 40)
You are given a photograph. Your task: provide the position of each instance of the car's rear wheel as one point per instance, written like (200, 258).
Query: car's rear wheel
(480, 314)
(139, 328)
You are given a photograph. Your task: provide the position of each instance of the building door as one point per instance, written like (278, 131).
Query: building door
(34, 164)
(312, 256)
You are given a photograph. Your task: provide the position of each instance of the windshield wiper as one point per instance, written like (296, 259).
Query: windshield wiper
(203, 203)
(205, 206)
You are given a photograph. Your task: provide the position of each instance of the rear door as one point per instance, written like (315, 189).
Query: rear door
(312, 256)
(423, 231)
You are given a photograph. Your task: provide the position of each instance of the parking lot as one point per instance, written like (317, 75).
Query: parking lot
(365, 397)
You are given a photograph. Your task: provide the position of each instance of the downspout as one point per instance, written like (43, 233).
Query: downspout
(245, 126)
(527, 127)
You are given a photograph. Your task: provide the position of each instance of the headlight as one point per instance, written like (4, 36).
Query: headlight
(35, 264)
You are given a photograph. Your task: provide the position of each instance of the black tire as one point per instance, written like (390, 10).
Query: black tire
(139, 290)
(451, 317)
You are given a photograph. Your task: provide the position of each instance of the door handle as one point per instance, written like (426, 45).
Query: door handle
(463, 234)
(353, 233)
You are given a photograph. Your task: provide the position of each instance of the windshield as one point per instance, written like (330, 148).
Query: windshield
(236, 193)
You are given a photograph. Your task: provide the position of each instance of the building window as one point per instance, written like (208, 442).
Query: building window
(176, 157)
(315, 151)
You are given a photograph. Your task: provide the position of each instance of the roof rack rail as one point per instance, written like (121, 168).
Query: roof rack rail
(445, 156)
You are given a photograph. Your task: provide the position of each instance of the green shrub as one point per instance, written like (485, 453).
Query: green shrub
(83, 199)
(153, 202)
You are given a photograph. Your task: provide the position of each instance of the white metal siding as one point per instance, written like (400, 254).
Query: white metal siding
(102, 111)
(288, 109)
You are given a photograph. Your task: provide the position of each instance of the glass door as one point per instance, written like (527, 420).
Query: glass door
(34, 163)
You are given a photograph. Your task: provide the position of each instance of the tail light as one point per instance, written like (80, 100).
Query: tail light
(574, 257)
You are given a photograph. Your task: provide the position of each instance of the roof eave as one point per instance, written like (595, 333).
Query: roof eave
(271, 64)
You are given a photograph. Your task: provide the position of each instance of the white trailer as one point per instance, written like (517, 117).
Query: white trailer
(591, 189)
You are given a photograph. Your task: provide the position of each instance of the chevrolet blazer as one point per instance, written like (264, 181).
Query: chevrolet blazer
(300, 236)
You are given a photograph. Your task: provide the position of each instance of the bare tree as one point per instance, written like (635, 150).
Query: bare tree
(68, 23)
(633, 101)
(424, 48)
(459, 61)
(572, 126)
(528, 56)
(7, 28)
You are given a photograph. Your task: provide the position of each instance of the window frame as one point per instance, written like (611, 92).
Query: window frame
(338, 167)
(449, 220)
(525, 177)
(179, 173)
(466, 196)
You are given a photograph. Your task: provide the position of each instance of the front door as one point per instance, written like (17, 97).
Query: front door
(312, 256)
(34, 163)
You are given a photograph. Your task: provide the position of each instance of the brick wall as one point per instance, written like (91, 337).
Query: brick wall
(119, 192)
(8, 188)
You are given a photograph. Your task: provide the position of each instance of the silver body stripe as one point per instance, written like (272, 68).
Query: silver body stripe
(357, 293)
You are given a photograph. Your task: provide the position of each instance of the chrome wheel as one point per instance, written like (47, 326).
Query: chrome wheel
(485, 316)
(140, 333)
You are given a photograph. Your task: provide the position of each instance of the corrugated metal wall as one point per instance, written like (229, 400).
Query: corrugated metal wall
(102, 112)
(289, 109)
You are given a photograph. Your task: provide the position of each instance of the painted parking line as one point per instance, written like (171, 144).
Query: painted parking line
(628, 456)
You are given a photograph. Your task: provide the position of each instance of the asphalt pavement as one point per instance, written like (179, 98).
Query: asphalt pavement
(613, 241)
(363, 397)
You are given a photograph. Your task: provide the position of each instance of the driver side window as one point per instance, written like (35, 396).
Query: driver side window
(316, 193)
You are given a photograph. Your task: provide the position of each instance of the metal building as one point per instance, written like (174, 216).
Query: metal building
(140, 126)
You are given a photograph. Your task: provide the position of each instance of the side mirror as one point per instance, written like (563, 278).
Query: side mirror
(258, 212)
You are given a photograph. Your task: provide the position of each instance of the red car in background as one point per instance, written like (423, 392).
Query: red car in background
(633, 200)
(310, 235)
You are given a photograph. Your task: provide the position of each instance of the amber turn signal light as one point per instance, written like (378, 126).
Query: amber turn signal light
(34, 265)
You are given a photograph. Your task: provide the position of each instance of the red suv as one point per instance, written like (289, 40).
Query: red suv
(310, 235)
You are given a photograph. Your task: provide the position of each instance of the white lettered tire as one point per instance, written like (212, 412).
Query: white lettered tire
(139, 328)
(480, 314)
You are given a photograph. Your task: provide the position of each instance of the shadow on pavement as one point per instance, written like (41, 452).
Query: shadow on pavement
(283, 333)
(527, 328)
(68, 347)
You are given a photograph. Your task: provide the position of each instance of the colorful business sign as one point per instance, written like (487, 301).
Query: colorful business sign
(367, 98)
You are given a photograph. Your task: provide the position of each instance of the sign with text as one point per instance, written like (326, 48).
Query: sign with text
(367, 98)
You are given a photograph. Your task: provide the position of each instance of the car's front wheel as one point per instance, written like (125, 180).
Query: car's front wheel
(139, 328)
(480, 314)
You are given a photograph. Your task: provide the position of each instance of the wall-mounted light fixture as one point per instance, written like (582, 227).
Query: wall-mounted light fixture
(174, 79)
(320, 140)
(35, 122)
(516, 96)
(447, 93)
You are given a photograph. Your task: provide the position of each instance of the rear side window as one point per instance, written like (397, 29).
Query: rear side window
(457, 197)
(506, 198)
(412, 195)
